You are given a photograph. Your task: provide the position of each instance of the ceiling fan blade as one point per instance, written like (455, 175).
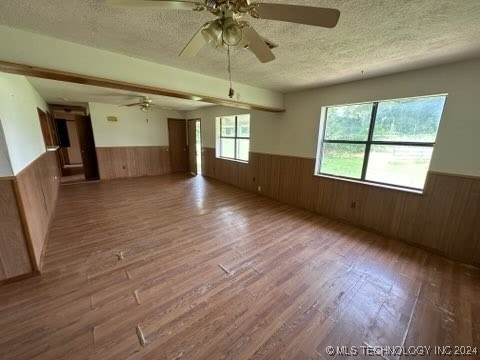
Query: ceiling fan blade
(257, 45)
(194, 45)
(308, 15)
(129, 105)
(160, 4)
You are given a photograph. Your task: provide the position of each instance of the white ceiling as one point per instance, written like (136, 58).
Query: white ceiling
(374, 36)
(60, 92)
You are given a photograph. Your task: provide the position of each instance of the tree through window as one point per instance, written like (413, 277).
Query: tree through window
(386, 142)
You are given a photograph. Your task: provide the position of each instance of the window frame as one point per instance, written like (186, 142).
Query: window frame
(368, 144)
(235, 138)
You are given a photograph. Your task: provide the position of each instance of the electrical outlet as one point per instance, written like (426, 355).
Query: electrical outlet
(259, 188)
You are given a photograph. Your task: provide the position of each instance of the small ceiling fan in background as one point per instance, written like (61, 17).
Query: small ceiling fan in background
(144, 103)
(229, 29)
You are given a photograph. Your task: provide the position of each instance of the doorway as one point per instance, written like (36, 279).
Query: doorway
(77, 150)
(195, 146)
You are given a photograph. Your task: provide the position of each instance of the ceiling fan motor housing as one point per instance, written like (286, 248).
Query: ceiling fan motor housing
(232, 32)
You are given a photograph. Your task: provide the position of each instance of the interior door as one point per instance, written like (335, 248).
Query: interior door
(177, 137)
(192, 146)
(87, 147)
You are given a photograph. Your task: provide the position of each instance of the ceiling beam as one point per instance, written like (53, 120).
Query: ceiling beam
(27, 70)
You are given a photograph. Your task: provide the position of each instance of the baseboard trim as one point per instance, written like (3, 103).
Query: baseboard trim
(19, 278)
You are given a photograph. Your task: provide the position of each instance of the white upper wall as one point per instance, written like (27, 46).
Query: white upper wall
(5, 166)
(20, 122)
(33, 49)
(295, 132)
(457, 148)
(131, 129)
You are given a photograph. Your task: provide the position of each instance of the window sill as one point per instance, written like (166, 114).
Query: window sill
(383, 186)
(230, 159)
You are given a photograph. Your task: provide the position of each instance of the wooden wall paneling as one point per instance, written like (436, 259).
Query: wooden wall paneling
(219, 170)
(133, 160)
(263, 172)
(247, 174)
(308, 185)
(244, 179)
(154, 158)
(148, 157)
(380, 209)
(37, 186)
(469, 228)
(339, 207)
(165, 160)
(274, 179)
(412, 218)
(288, 185)
(269, 175)
(118, 164)
(208, 162)
(122, 161)
(115, 161)
(35, 208)
(227, 171)
(254, 170)
(104, 165)
(14, 253)
(160, 160)
(461, 218)
(443, 214)
(326, 196)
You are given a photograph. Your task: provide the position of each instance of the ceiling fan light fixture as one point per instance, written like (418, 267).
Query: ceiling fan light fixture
(212, 33)
(232, 32)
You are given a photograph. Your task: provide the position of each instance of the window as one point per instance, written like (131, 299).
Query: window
(385, 142)
(234, 137)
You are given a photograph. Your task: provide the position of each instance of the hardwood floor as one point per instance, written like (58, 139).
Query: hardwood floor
(176, 267)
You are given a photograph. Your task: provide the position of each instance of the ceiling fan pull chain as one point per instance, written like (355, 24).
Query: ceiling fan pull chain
(231, 92)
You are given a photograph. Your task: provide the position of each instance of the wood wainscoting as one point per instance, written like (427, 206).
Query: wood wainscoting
(444, 219)
(37, 190)
(27, 206)
(14, 251)
(131, 161)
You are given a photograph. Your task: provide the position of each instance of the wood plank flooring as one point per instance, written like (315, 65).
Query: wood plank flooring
(177, 267)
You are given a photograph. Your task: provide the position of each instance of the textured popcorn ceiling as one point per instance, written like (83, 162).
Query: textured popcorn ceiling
(374, 36)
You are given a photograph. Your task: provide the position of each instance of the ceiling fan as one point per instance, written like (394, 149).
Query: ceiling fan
(145, 103)
(229, 29)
